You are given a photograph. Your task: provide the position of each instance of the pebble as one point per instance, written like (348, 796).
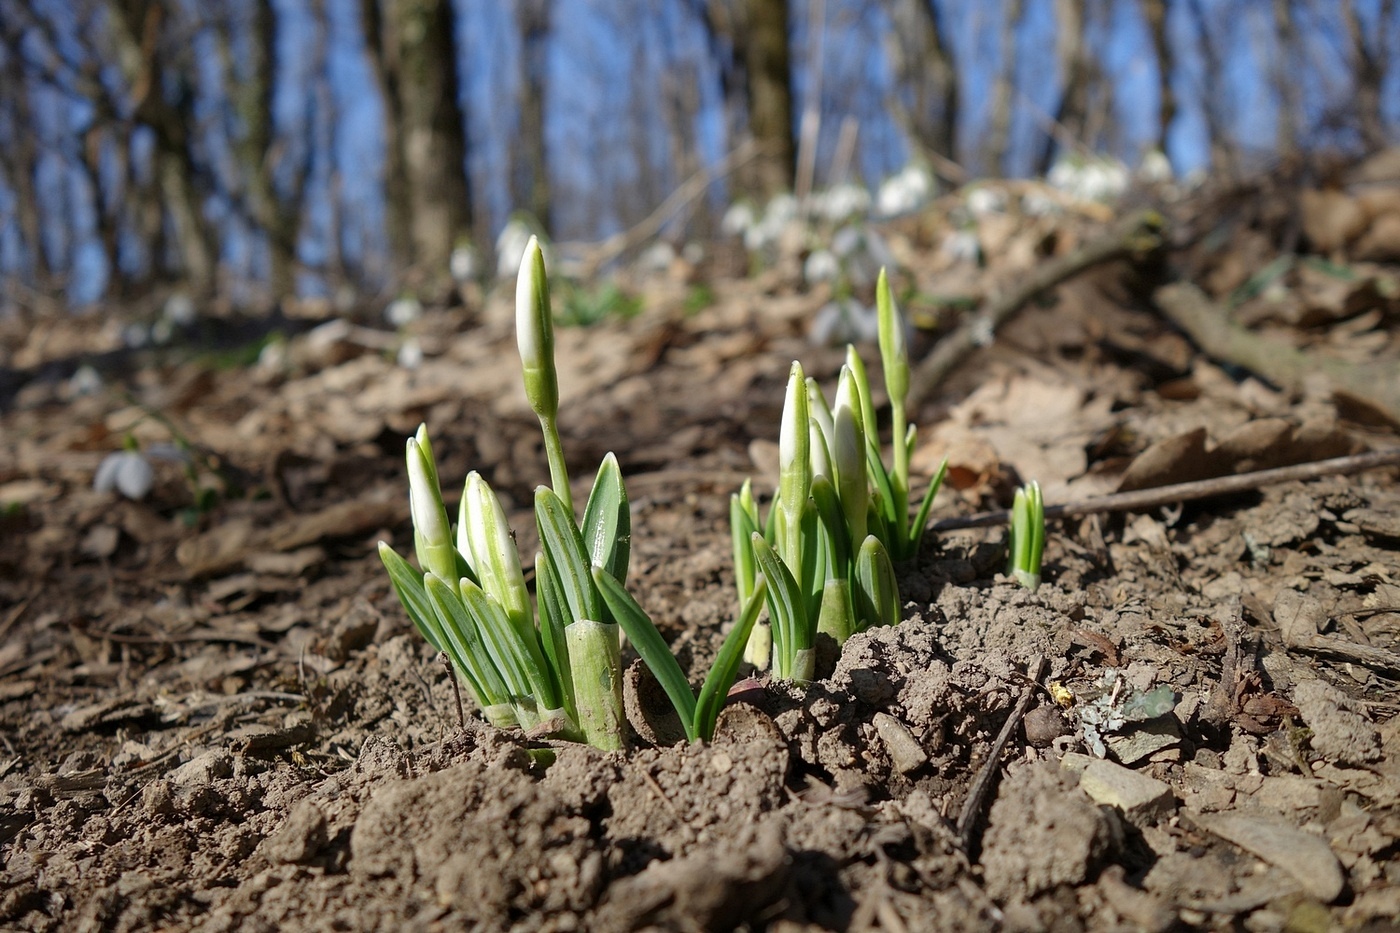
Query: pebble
(1304, 856)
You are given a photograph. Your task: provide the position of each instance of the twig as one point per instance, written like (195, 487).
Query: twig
(1142, 499)
(1140, 233)
(1376, 383)
(456, 689)
(1339, 649)
(688, 191)
(976, 795)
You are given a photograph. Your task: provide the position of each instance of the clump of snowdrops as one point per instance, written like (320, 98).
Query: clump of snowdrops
(840, 517)
(552, 666)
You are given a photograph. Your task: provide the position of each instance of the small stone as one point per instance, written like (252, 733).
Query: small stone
(1307, 858)
(1044, 725)
(302, 836)
(905, 752)
(1137, 795)
(202, 769)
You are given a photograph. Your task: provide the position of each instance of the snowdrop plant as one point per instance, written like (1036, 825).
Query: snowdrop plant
(553, 667)
(1027, 539)
(840, 516)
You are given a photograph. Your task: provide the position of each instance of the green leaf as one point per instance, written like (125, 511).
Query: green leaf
(787, 607)
(726, 667)
(553, 615)
(877, 592)
(834, 521)
(408, 584)
(522, 662)
(607, 521)
(741, 528)
(463, 633)
(835, 616)
(652, 648)
(563, 545)
(921, 520)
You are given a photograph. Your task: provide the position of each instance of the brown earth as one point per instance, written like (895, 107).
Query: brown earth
(220, 718)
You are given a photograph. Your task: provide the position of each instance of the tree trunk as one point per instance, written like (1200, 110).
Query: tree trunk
(425, 185)
(1073, 67)
(923, 66)
(1155, 11)
(531, 170)
(763, 44)
(999, 122)
(1368, 68)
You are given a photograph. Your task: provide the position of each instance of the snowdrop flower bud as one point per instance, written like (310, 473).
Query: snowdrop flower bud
(794, 463)
(534, 332)
(127, 472)
(894, 352)
(848, 454)
(431, 534)
(483, 532)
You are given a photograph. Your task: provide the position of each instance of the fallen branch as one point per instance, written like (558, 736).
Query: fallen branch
(982, 784)
(1209, 326)
(1140, 500)
(1139, 234)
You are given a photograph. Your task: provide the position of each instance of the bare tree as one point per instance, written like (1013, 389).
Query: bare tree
(1369, 61)
(757, 31)
(1283, 78)
(924, 68)
(1155, 12)
(426, 188)
(530, 174)
(997, 139)
(1075, 72)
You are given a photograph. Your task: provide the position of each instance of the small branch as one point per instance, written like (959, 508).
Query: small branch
(976, 795)
(1140, 233)
(1209, 326)
(1140, 500)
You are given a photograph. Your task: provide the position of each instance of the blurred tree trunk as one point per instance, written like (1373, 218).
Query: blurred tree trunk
(1073, 67)
(1155, 12)
(1222, 148)
(159, 73)
(530, 176)
(1369, 61)
(19, 157)
(425, 187)
(1285, 80)
(923, 64)
(998, 136)
(761, 41)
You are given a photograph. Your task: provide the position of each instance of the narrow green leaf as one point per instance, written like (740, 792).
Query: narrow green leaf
(652, 648)
(553, 616)
(834, 521)
(408, 584)
(715, 690)
(524, 661)
(741, 529)
(607, 521)
(787, 609)
(563, 544)
(463, 633)
(836, 615)
(877, 590)
(921, 519)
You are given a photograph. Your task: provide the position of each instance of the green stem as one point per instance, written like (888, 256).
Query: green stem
(900, 442)
(558, 472)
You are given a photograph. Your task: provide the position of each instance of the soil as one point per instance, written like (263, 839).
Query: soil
(215, 716)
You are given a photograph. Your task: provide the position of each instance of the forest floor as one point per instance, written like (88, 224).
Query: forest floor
(219, 717)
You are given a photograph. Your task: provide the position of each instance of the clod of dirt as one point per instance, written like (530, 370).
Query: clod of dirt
(1339, 733)
(1043, 832)
(301, 837)
(714, 888)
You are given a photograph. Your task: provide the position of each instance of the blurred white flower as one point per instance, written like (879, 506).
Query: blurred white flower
(403, 311)
(656, 258)
(962, 246)
(85, 381)
(410, 354)
(982, 200)
(1155, 168)
(842, 322)
(905, 191)
(510, 247)
(462, 263)
(841, 202)
(179, 310)
(1039, 204)
(126, 471)
(135, 336)
(738, 219)
(1089, 179)
(821, 266)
